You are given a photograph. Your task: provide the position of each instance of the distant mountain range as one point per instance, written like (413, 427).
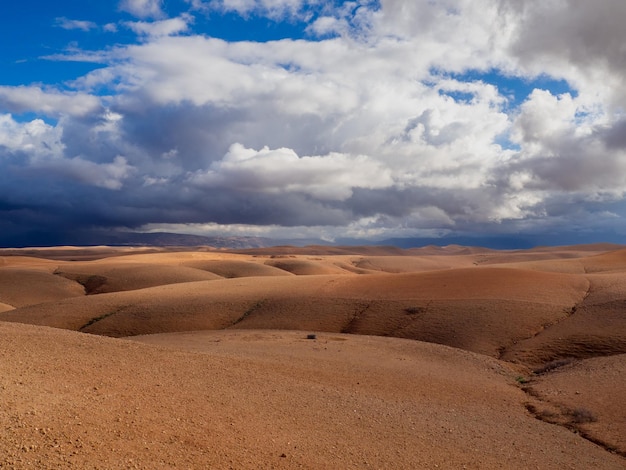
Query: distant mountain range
(179, 239)
(117, 238)
(164, 239)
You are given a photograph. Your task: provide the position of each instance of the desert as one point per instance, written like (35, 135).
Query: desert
(314, 357)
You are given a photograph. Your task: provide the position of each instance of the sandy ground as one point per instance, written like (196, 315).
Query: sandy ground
(432, 358)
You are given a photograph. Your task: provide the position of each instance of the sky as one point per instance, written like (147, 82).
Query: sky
(363, 120)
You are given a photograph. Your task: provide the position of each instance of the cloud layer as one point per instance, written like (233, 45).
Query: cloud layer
(379, 122)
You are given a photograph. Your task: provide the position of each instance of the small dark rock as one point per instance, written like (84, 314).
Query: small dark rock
(311, 336)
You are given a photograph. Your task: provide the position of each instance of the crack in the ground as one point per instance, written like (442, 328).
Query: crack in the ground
(565, 417)
(256, 306)
(97, 319)
(349, 328)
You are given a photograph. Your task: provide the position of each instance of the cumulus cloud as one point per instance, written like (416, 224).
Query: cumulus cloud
(330, 177)
(19, 99)
(160, 28)
(142, 8)
(34, 138)
(564, 149)
(83, 25)
(39, 148)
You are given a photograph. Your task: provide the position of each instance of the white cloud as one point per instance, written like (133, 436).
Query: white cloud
(161, 28)
(34, 138)
(570, 143)
(328, 25)
(329, 177)
(39, 148)
(544, 117)
(21, 99)
(142, 8)
(380, 100)
(66, 23)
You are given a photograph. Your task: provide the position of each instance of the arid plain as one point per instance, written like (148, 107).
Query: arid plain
(317, 357)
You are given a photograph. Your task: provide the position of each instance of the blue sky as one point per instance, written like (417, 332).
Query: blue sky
(370, 120)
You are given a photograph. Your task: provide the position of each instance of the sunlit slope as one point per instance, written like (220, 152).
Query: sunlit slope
(20, 286)
(267, 400)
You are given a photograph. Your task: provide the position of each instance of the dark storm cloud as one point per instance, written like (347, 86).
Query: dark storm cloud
(615, 136)
(576, 31)
(199, 135)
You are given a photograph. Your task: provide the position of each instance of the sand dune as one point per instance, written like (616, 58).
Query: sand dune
(408, 264)
(572, 260)
(305, 267)
(27, 262)
(607, 262)
(73, 253)
(232, 268)
(99, 278)
(315, 250)
(452, 384)
(20, 287)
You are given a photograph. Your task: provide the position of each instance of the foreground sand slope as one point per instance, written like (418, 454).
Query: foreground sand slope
(267, 400)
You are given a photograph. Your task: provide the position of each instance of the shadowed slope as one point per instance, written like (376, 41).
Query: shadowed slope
(597, 327)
